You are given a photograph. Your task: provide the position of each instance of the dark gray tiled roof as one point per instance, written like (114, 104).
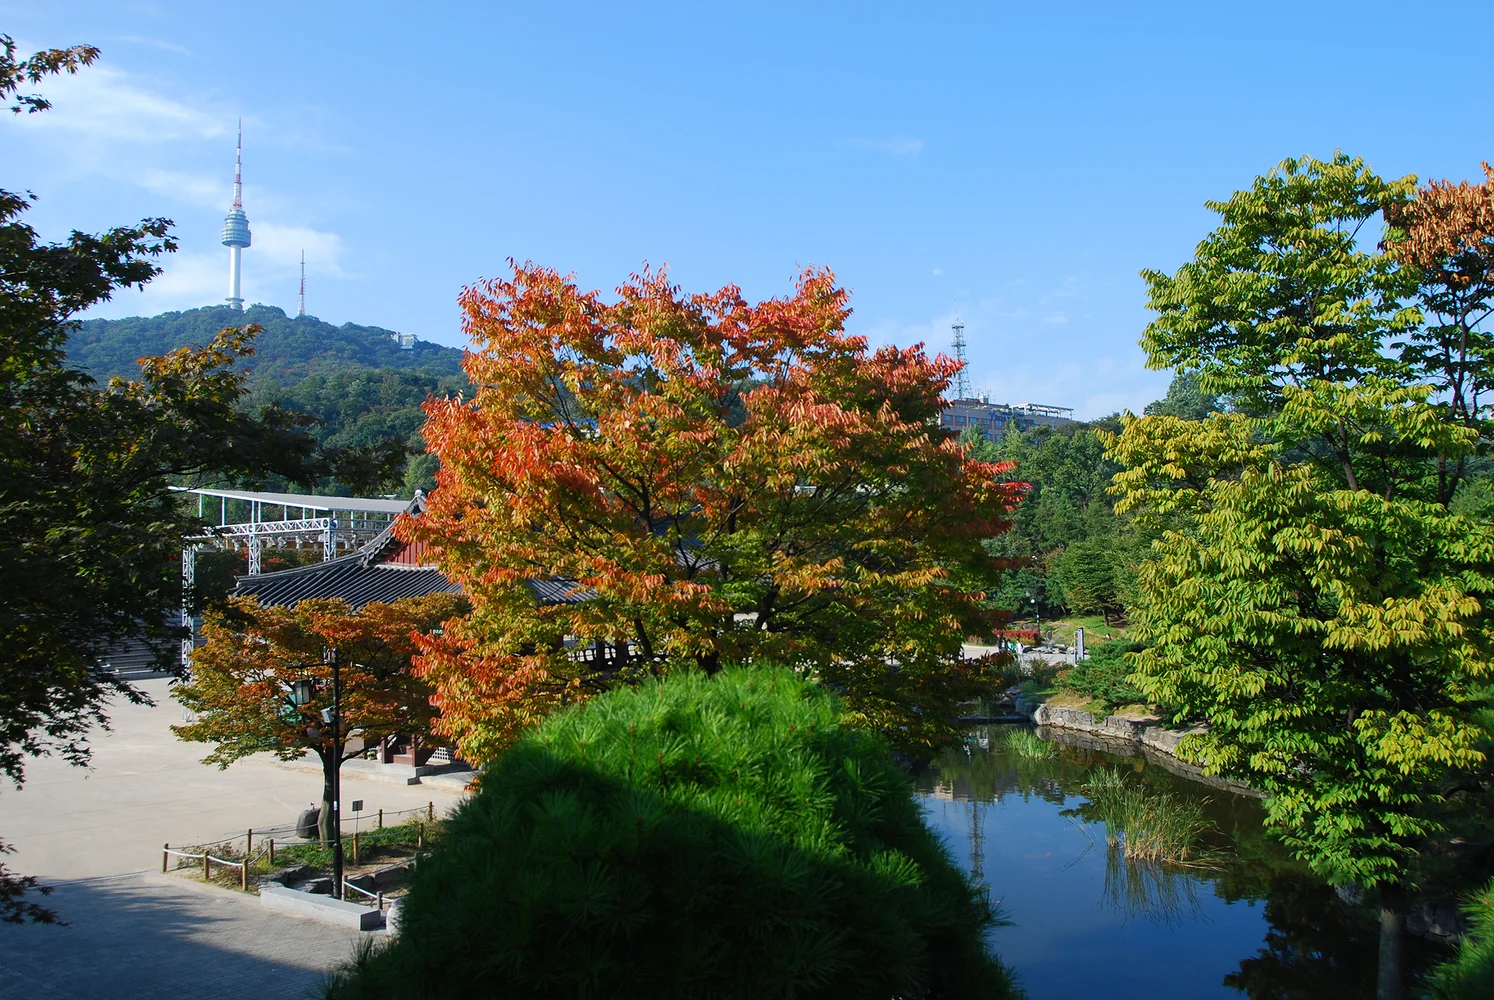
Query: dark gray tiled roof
(361, 579)
(349, 578)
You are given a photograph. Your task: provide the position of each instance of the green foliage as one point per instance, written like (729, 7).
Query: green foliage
(376, 842)
(1091, 573)
(1068, 508)
(1470, 976)
(1106, 675)
(361, 389)
(289, 350)
(1311, 598)
(1185, 399)
(721, 837)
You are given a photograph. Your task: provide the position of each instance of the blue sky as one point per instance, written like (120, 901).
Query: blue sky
(1016, 164)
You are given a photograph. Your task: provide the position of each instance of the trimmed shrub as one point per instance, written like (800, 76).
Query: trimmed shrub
(1105, 675)
(696, 837)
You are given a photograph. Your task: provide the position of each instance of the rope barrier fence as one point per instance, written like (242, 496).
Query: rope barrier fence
(290, 836)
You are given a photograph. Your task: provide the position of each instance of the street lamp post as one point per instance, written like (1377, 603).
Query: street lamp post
(331, 657)
(303, 693)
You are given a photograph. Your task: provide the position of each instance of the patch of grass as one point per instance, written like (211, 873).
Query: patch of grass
(1023, 742)
(1062, 631)
(1063, 697)
(373, 845)
(1143, 825)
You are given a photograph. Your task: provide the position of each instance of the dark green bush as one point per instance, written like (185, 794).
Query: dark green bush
(1103, 676)
(1470, 975)
(721, 837)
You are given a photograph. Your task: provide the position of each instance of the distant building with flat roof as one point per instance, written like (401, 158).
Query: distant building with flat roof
(995, 419)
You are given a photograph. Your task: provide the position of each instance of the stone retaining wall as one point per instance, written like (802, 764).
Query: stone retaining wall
(1117, 734)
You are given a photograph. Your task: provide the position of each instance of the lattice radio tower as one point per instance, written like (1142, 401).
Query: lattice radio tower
(962, 380)
(301, 309)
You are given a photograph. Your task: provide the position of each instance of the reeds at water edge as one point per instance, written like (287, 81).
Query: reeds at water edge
(1143, 825)
(1024, 742)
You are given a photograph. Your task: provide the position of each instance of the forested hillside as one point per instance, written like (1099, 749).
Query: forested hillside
(287, 350)
(355, 380)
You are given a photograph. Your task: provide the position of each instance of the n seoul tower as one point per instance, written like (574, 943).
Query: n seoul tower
(236, 227)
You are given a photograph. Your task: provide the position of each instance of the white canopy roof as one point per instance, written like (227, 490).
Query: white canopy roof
(306, 500)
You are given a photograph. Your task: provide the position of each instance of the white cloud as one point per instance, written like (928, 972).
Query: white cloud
(281, 246)
(1022, 350)
(106, 104)
(897, 147)
(156, 43)
(188, 280)
(194, 188)
(938, 271)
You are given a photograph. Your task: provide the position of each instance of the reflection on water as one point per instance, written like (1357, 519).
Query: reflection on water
(1087, 923)
(1152, 890)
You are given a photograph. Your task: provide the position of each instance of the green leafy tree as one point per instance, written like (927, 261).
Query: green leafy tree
(1311, 597)
(1067, 505)
(1186, 399)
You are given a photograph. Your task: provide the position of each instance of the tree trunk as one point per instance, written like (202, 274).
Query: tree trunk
(1391, 983)
(324, 819)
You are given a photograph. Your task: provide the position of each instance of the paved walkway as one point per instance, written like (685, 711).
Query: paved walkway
(96, 835)
(155, 937)
(146, 788)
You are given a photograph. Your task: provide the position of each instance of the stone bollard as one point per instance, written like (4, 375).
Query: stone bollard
(391, 918)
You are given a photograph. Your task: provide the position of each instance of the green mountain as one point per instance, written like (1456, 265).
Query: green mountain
(288, 350)
(358, 383)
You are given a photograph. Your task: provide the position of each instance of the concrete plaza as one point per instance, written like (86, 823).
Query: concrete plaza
(146, 788)
(147, 935)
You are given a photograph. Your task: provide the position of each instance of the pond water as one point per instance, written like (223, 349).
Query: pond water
(1086, 923)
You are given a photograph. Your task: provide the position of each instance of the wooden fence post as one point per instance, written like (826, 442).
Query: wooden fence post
(248, 844)
(272, 852)
(164, 856)
(206, 861)
(244, 875)
(420, 835)
(381, 819)
(355, 847)
(430, 811)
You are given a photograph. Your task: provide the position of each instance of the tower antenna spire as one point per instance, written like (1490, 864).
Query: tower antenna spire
(962, 379)
(301, 309)
(236, 227)
(238, 170)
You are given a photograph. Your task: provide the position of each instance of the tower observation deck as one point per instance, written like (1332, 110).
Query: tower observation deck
(236, 228)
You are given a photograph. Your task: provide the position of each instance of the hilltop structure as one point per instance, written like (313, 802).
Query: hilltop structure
(992, 419)
(236, 228)
(995, 419)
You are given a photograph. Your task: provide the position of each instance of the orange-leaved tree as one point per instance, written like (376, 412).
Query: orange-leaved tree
(251, 654)
(665, 480)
